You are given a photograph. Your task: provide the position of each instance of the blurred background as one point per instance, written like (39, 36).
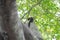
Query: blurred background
(46, 14)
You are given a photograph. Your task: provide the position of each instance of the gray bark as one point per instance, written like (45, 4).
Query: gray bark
(10, 23)
(32, 32)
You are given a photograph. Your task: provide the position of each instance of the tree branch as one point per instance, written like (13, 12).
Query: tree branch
(31, 8)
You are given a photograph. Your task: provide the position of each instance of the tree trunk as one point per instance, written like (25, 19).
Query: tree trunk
(9, 19)
(10, 23)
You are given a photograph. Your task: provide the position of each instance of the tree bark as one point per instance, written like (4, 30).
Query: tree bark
(10, 23)
(9, 19)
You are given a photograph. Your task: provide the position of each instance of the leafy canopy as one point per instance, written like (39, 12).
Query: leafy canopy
(45, 13)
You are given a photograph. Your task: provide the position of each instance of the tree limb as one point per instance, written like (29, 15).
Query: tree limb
(31, 8)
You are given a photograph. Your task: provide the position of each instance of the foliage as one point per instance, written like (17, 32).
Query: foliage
(45, 13)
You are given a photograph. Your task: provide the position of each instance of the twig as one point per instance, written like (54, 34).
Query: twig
(31, 9)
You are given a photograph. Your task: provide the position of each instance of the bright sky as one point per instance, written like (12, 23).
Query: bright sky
(58, 5)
